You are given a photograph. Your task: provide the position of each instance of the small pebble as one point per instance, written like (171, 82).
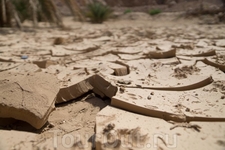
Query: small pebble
(187, 110)
(24, 57)
(62, 122)
(149, 97)
(222, 97)
(122, 89)
(126, 82)
(51, 125)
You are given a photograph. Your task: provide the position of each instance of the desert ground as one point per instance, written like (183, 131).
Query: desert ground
(134, 82)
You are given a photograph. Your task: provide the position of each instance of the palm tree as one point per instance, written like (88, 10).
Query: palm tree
(36, 10)
(74, 8)
(5, 14)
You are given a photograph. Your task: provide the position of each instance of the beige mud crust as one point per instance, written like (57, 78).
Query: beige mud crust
(122, 63)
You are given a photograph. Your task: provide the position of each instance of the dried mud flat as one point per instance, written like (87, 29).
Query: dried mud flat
(137, 82)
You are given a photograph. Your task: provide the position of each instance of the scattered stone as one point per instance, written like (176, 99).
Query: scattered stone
(109, 127)
(125, 82)
(122, 89)
(184, 71)
(24, 57)
(187, 109)
(59, 41)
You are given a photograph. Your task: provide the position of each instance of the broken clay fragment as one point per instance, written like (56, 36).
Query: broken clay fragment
(30, 97)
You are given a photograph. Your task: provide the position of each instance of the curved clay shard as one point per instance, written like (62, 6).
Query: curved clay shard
(214, 64)
(149, 74)
(196, 105)
(11, 59)
(131, 56)
(189, 58)
(201, 54)
(151, 111)
(162, 54)
(168, 61)
(138, 132)
(25, 68)
(83, 47)
(199, 84)
(214, 72)
(7, 65)
(30, 97)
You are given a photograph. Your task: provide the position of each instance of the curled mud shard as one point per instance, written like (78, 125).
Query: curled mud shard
(30, 98)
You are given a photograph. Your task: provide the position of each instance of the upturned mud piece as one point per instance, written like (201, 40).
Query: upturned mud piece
(162, 54)
(29, 97)
(102, 87)
(95, 83)
(74, 91)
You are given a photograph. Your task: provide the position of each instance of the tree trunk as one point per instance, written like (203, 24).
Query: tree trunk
(57, 15)
(12, 9)
(74, 8)
(50, 11)
(5, 14)
(34, 13)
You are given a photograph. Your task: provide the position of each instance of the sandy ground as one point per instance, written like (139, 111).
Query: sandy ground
(137, 31)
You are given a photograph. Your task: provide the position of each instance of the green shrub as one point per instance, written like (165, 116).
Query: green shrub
(22, 7)
(98, 12)
(154, 12)
(24, 10)
(127, 11)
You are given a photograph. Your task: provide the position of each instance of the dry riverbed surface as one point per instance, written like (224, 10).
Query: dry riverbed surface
(135, 82)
